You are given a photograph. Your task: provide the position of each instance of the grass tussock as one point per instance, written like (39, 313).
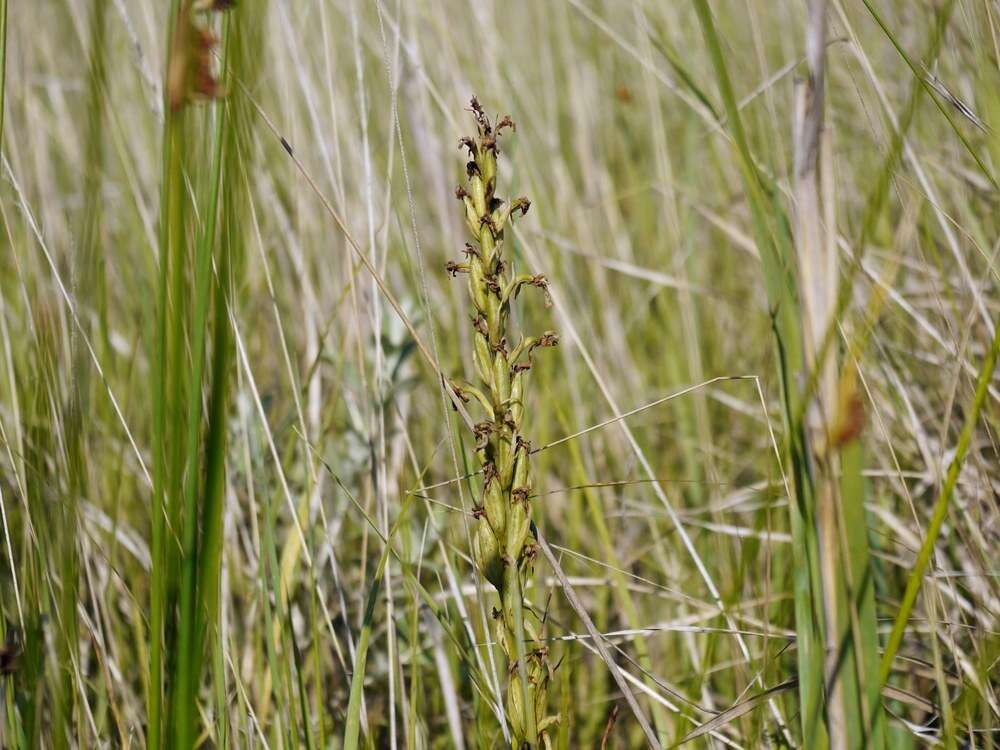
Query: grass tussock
(269, 477)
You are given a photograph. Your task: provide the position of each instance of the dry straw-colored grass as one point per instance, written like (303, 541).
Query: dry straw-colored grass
(244, 502)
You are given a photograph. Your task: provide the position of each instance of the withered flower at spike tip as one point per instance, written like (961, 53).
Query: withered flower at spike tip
(10, 652)
(8, 660)
(210, 6)
(549, 338)
(454, 268)
(204, 82)
(849, 420)
(468, 143)
(192, 73)
(506, 122)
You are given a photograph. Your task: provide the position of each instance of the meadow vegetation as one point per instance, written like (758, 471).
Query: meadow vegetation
(269, 392)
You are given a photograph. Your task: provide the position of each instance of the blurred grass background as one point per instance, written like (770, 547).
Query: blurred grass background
(216, 429)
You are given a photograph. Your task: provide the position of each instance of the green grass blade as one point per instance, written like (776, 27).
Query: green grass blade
(921, 78)
(184, 719)
(858, 614)
(352, 727)
(161, 583)
(940, 510)
(3, 65)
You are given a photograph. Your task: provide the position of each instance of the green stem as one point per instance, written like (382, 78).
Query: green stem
(192, 618)
(3, 64)
(160, 574)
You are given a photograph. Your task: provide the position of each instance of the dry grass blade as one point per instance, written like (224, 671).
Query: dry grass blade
(264, 466)
(359, 254)
(598, 640)
(733, 713)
